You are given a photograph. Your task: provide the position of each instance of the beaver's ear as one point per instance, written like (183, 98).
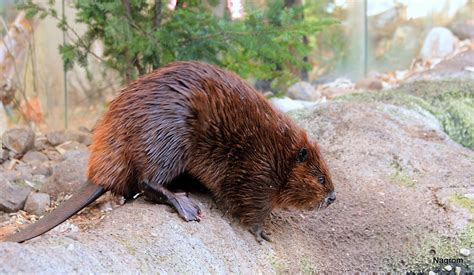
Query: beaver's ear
(302, 154)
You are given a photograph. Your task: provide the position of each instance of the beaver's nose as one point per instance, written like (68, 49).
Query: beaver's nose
(331, 198)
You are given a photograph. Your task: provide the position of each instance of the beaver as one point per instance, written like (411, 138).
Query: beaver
(198, 119)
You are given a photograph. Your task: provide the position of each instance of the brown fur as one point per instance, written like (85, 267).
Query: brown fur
(195, 118)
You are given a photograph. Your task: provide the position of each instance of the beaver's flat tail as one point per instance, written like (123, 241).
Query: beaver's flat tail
(86, 195)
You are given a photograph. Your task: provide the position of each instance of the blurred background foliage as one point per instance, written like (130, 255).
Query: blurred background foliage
(271, 43)
(139, 36)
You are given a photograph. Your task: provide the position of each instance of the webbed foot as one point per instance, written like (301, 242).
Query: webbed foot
(186, 208)
(259, 234)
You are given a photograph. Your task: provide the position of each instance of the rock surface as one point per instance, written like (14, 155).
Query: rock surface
(369, 84)
(455, 67)
(12, 198)
(19, 139)
(464, 29)
(287, 104)
(56, 138)
(389, 164)
(66, 177)
(303, 90)
(34, 157)
(36, 203)
(438, 43)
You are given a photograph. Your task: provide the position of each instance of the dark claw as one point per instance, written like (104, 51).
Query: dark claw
(259, 234)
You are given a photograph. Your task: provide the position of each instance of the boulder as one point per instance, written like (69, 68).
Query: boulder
(464, 29)
(36, 203)
(66, 177)
(438, 44)
(59, 137)
(33, 156)
(287, 104)
(19, 139)
(12, 197)
(369, 84)
(303, 90)
(41, 143)
(20, 172)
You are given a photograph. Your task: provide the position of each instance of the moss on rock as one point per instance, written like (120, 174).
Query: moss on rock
(450, 101)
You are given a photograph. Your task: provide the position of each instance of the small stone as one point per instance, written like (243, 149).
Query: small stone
(12, 198)
(465, 252)
(43, 169)
(286, 104)
(106, 206)
(36, 203)
(84, 129)
(54, 155)
(22, 172)
(4, 217)
(76, 154)
(72, 145)
(56, 138)
(457, 270)
(448, 268)
(369, 84)
(41, 143)
(19, 140)
(3, 155)
(469, 196)
(33, 156)
(303, 90)
(432, 273)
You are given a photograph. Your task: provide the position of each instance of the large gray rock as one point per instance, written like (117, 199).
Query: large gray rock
(41, 143)
(73, 154)
(58, 137)
(19, 139)
(162, 243)
(21, 172)
(43, 168)
(36, 203)
(33, 156)
(438, 43)
(303, 90)
(287, 104)
(66, 177)
(54, 155)
(12, 197)
(464, 29)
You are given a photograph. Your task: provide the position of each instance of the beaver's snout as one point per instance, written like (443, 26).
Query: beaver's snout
(330, 198)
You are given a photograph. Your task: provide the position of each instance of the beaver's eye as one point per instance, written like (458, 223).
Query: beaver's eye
(322, 180)
(302, 155)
